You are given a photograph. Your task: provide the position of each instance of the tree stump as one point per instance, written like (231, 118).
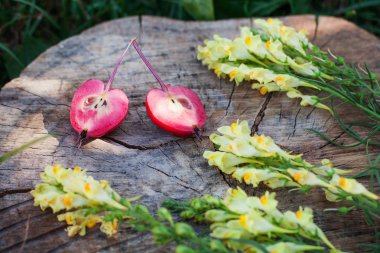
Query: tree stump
(140, 159)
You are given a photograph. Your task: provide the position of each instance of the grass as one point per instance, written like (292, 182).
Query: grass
(28, 27)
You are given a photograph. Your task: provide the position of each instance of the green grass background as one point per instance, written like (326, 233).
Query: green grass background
(28, 27)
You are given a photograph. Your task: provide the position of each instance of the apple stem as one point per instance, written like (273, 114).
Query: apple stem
(150, 67)
(117, 65)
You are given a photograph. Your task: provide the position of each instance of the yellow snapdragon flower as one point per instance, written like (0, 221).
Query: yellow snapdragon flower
(76, 181)
(254, 223)
(276, 29)
(227, 162)
(304, 219)
(352, 186)
(307, 100)
(46, 195)
(306, 177)
(236, 129)
(255, 176)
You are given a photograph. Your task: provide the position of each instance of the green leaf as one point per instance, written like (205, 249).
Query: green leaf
(199, 9)
(14, 152)
(11, 54)
(39, 9)
(300, 6)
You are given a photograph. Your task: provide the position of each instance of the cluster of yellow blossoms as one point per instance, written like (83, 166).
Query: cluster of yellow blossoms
(64, 189)
(241, 217)
(255, 159)
(259, 56)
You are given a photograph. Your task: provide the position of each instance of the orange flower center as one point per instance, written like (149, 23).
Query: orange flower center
(299, 214)
(297, 177)
(342, 182)
(248, 40)
(263, 200)
(87, 187)
(247, 177)
(243, 220)
(263, 90)
(67, 200)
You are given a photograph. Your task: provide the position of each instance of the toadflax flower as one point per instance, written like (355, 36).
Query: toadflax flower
(258, 159)
(352, 186)
(276, 29)
(257, 218)
(87, 202)
(304, 219)
(265, 56)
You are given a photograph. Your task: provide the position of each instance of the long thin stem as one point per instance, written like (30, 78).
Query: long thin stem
(117, 65)
(150, 67)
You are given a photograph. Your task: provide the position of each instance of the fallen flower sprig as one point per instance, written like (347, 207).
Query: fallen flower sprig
(240, 223)
(279, 58)
(240, 217)
(84, 202)
(258, 159)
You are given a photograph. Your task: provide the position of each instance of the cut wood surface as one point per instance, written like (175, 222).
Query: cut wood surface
(140, 159)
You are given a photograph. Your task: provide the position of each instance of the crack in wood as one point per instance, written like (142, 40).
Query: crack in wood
(326, 144)
(138, 147)
(230, 99)
(260, 115)
(295, 123)
(224, 178)
(166, 174)
(14, 191)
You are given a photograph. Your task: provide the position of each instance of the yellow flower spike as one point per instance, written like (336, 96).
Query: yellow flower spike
(263, 90)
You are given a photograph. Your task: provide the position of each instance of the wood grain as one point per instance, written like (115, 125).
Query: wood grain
(140, 159)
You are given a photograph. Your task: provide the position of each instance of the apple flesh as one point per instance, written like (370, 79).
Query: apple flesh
(95, 112)
(96, 109)
(177, 110)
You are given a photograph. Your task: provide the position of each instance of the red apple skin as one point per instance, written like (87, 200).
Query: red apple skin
(178, 110)
(102, 120)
